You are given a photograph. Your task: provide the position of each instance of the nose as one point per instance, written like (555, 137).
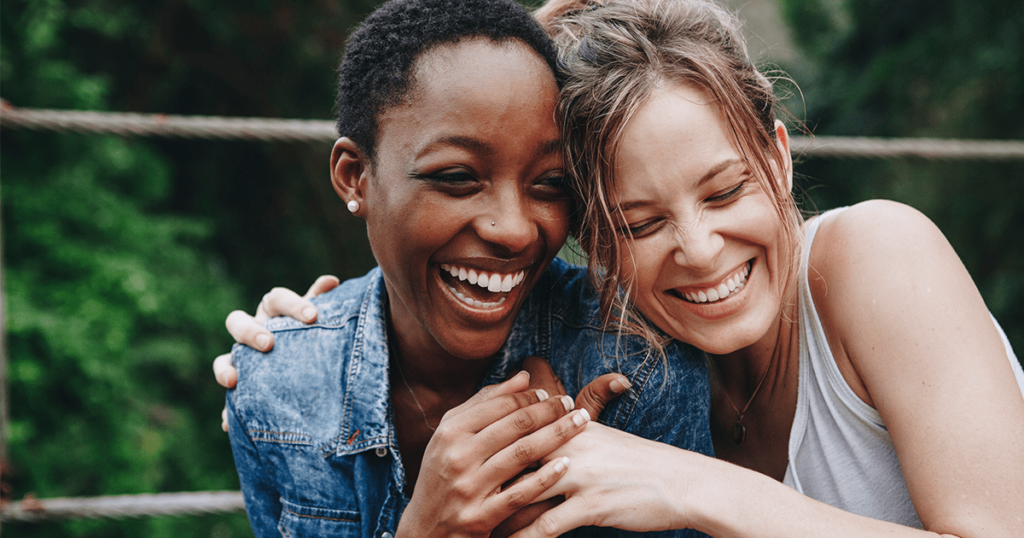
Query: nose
(697, 245)
(509, 223)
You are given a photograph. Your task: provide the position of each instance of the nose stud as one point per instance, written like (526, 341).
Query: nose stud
(492, 223)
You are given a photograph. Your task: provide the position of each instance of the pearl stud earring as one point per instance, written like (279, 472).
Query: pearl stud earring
(353, 206)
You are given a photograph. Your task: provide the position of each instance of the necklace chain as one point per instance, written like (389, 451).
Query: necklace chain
(739, 431)
(413, 394)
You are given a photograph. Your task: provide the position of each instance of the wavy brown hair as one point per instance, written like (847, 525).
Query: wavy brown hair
(611, 57)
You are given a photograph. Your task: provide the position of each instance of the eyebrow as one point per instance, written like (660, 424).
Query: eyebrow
(549, 147)
(467, 142)
(478, 146)
(708, 176)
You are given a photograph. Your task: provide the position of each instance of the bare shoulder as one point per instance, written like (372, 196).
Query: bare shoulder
(880, 274)
(879, 243)
(913, 338)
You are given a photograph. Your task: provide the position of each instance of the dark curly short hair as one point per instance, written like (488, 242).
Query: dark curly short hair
(375, 73)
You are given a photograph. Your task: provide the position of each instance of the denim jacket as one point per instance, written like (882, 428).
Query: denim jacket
(311, 423)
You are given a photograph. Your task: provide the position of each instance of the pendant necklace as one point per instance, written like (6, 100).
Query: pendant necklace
(739, 431)
(414, 398)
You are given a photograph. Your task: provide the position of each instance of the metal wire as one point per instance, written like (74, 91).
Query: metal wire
(164, 125)
(122, 506)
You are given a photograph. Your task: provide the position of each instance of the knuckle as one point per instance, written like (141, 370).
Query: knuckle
(546, 478)
(523, 399)
(563, 431)
(234, 318)
(516, 499)
(509, 404)
(547, 525)
(523, 421)
(274, 296)
(472, 522)
(524, 453)
(444, 434)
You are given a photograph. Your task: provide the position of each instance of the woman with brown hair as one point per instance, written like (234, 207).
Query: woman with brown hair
(852, 357)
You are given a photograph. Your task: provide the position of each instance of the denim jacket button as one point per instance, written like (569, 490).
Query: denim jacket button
(386, 534)
(381, 452)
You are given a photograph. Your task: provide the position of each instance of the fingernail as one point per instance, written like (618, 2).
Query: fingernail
(561, 464)
(568, 403)
(308, 313)
(581, 418)
(262, 341)
(618, 386)
(542, 394)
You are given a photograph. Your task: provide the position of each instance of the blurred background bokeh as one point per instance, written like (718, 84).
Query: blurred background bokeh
(122, 256)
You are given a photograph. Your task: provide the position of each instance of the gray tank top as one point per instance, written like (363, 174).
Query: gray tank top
(840, 451)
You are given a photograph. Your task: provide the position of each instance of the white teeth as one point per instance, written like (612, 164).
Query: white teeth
(491, 282)
(726, 289)
(473, 302)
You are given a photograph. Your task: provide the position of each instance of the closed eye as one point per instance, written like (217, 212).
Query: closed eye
(729, 194)
(551, 187)
(636, 231)
(456, 183)
(447, 177)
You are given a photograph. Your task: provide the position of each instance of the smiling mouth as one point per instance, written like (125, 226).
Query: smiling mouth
(731, 286)
(480, 289)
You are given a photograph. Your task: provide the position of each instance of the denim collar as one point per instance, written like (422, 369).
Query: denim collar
(366, 421)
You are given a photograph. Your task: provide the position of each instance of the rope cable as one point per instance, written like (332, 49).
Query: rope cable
(32, 510)
(285, 130)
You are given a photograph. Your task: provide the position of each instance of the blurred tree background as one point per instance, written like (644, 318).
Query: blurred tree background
(123, 256)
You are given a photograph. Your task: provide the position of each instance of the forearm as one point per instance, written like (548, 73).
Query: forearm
(618, 480)
(725, 500)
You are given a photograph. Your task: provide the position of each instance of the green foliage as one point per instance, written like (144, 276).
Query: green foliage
(945, 68)
(122, 257)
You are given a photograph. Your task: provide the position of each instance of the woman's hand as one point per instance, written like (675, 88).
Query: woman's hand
(248, 330)
(618, 480)
(594, 397)
(481, 445)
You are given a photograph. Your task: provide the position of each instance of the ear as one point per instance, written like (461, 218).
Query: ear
(350, 171)
(782, 139)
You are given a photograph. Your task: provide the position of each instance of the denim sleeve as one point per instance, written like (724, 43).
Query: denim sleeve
(262, 501)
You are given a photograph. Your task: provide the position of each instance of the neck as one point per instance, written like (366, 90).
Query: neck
(427, 366)
(739, 374)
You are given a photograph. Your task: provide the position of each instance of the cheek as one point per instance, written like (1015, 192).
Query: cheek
(638, 268)
(553, 219)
